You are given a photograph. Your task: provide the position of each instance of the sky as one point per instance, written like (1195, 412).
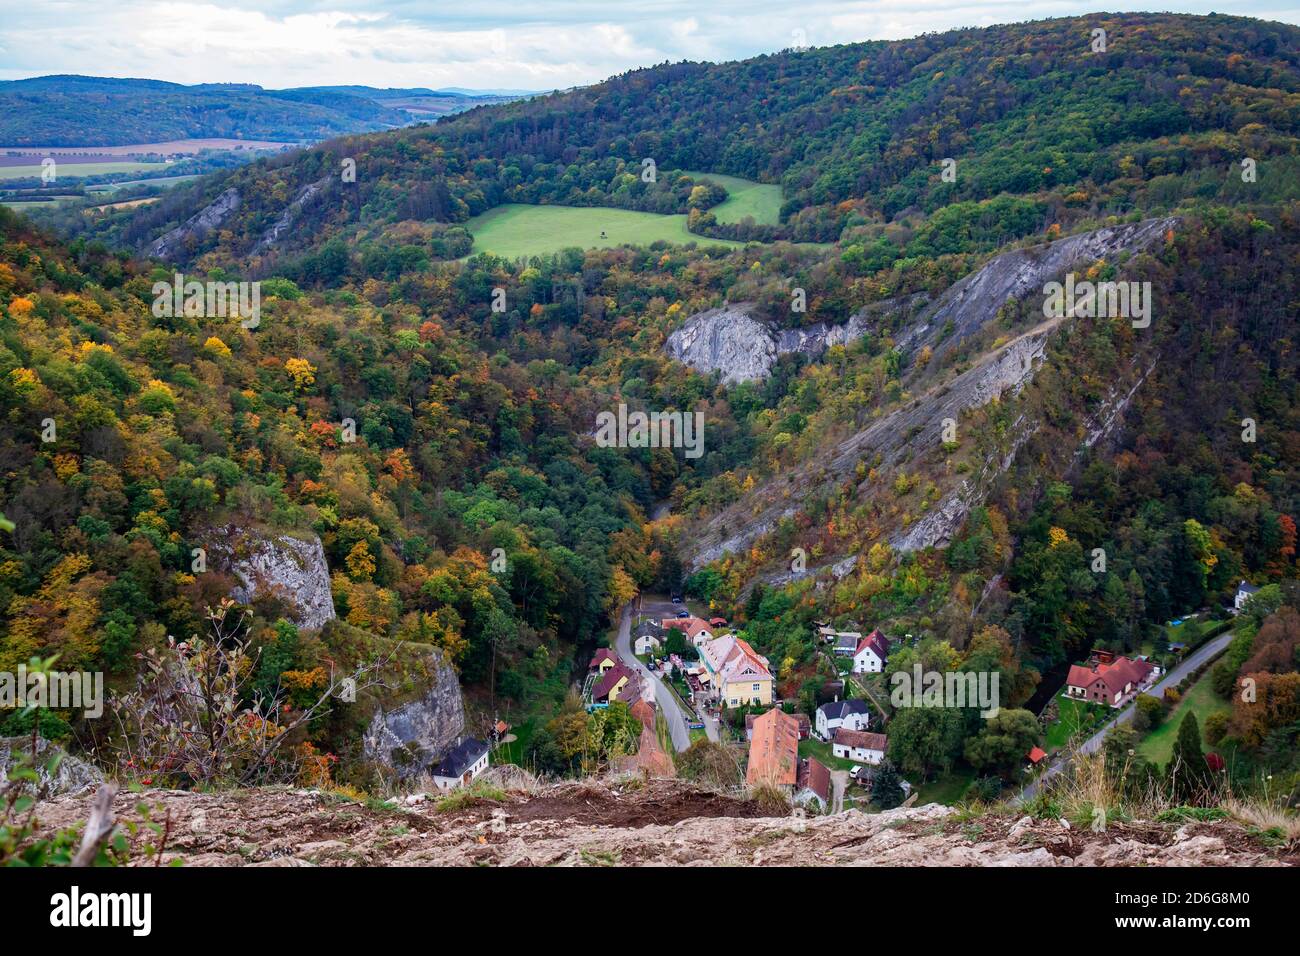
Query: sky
(479, 44)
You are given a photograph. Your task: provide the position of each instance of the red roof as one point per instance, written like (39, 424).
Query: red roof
(774, 751)
(608, 682)
(815, 775)
(1036, 754)
(877, 642)
(718, 621)
(1115, 676)
(602, 655)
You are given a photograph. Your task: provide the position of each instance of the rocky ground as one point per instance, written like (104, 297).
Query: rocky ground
(656, 823)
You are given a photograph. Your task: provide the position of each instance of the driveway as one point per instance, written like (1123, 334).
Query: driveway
(1203, 654)
(665, 698)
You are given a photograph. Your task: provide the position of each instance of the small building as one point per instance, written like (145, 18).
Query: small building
(717, 622)
(871, 653)
(461, 764)
(846, 643)
(697, 631)
(813, 784)
(602, 660)
(647, 644)
(859, 746)
(616, 683)
(1035, 756)
(1108, 683)
(849, 714)
(1244, 590)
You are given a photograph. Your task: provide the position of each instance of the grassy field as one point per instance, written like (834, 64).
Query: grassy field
(947, 789)
(517, 229)
(744, 198)
(70, 170)
(1202, 700)
(1074, 715)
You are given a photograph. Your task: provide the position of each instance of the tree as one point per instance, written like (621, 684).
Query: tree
(1004, 741)
(1186, 770)
(887, 786)
(1148, 712)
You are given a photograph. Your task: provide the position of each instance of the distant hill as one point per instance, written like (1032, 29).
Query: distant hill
(70, 110)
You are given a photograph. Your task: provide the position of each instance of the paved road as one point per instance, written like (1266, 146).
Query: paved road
(667, 701)
(1202, 654)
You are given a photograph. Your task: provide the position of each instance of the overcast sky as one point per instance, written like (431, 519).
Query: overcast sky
(476, 43)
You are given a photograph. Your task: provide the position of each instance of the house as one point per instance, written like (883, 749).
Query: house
(859, 746)
(813, 784)
(602, 660)
(774, 751)
(1035, 756)
(616, 683)
(805, 726)
(647, 644)
(736, 672)
(697, 631)
(461, 764)
(499, 731)
(717, 622)
(846, 643)
(871, 653)
(849, 714)
(1244, 590)
(1108, 683)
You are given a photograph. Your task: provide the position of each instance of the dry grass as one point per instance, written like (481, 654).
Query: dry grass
(771, 799)
(1268, 818)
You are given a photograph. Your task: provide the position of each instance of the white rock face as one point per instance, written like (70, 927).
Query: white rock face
(411, 736)
(727, 340)
(290, 568)
(197, 226)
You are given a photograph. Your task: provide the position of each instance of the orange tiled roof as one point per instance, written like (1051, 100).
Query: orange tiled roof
(774, 751)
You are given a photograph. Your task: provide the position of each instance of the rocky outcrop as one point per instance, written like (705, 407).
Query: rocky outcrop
(198, 226)
(642, 823)
(731, 341)
(72, 776)
(410, 736)
(307, 196)
(288, 567)
(970, 303)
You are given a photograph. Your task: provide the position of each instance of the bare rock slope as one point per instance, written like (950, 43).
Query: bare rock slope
(663, 823)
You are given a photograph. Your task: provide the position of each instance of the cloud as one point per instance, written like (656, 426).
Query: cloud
(488, 43)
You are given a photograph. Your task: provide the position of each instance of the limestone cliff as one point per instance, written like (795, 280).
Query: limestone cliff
(287, 567)
(411, 735)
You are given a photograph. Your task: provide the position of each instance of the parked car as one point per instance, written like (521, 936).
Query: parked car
(683, 613)
(677, 599)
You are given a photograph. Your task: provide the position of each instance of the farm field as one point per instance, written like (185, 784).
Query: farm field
(744, 198)
(170, 147)
(517, 229)
(69, 170)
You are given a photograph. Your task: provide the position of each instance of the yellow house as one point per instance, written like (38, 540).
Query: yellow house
(737, 673)
(602, 661)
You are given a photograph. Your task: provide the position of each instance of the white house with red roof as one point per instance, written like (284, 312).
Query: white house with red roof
(871, 654)
(697, 630)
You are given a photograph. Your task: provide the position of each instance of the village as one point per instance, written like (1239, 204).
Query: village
(686, 677)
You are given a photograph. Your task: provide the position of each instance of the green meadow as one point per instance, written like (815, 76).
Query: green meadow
(744, 198)
(518, 229)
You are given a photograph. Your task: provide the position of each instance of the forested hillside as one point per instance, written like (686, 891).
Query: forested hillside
(474, 385)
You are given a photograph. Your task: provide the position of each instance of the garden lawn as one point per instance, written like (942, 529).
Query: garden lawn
(1202, 701)
(1074, 715)
(946, 789)
(815, 748)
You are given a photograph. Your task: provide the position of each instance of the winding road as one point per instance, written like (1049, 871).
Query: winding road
(1201, 655)
(669, 706)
